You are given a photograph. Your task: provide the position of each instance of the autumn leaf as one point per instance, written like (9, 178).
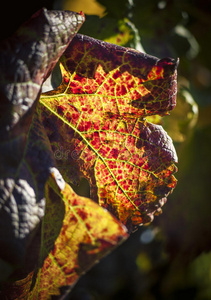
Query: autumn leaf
(93, 125)
(49, 236)
(27, 58)
(76, 233)
(88, 233)
(96, 119)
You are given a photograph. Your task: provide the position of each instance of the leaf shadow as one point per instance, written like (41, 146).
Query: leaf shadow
(51, 227)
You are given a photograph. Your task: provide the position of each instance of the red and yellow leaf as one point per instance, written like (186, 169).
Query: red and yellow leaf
(96, 119)
(87, 234)
(76, 233)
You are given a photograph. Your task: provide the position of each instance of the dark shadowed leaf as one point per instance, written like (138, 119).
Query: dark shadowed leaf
(26, 60)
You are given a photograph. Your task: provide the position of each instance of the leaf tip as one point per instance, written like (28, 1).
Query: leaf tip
(82, 14)
(169, 63)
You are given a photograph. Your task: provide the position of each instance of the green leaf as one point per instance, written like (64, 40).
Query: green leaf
(110, 30)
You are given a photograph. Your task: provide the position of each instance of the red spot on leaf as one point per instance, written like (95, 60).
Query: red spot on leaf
(114, 153)
(123, 156)
(61, 109)
(116, 74)
(82, 214)
(66, 79)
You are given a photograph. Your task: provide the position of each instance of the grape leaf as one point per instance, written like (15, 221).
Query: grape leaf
(88, 233)
(96, 120)
(76, 233)
(27, 58)
(49, 236)
(96, 127)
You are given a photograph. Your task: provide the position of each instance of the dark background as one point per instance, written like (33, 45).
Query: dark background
(171, 258)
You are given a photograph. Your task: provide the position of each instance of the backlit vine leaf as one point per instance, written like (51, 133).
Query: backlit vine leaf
(76, 233)
(96, 120)
(88, 233)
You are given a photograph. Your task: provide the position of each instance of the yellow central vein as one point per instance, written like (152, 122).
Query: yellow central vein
(93, 149)
(73, 210)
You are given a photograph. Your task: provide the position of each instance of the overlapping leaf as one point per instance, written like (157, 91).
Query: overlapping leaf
(88, 233)
(76, 233)
(95, 118)
(26, 60)
(96, 128)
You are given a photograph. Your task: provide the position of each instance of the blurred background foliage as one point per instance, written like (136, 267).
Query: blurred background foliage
(171, 258)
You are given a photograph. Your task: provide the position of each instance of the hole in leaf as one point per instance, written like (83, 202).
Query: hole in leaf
(83, 189)
(56, 76)
(54, 80)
